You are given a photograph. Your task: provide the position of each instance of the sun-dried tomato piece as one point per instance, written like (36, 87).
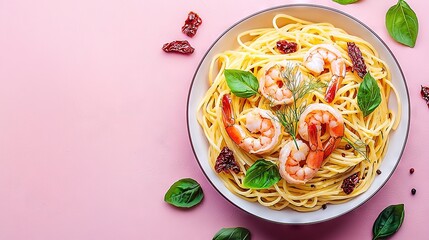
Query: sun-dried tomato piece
(286, 47)
(191, 24)
(349, 183)
(179, 47)
(226, 161)
(357, 60)
(425, 94)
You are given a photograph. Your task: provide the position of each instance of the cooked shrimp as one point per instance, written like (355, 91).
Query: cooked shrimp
(322, 114)
(300, 165)
(258, 121)
(315, 60)
(271, 83)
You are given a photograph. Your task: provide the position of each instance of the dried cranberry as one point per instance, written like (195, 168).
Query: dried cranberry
(226, 161)
(286, 47)
(357, 60)
(349, 183)
(179, 47)
(191, 24)
(425, 94)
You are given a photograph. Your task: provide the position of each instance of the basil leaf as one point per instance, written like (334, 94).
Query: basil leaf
(368, 96)
(262, 174)
(402, 23)
(344, 2)
(184, 193)
(388, 222)
(238, 233)
(242, 83)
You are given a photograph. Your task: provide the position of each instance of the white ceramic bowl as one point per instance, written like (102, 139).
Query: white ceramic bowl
(312, 13)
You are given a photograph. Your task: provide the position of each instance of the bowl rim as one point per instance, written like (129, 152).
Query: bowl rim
(292, 6)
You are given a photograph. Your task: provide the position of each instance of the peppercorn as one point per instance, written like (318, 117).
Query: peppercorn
(411, 170)
(343, 154)
(347, 146)
(378, 171)
(324, 206)
(312, 185)
(413, 191)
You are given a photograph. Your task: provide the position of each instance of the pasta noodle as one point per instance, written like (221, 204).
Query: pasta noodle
(257, 47)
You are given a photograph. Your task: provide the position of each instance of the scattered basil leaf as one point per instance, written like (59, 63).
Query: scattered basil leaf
(344, 2)
(262, 174)
(368, 96)
(402, 23)
(388, 222)
(242, 83)
(238, 233)
(184, 193)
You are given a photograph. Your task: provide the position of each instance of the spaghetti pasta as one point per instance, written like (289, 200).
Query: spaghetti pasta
(257, 47)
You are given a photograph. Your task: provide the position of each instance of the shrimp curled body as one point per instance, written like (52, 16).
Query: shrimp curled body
(320, 55)
(259, 122)
(320, 114)
(298, 165)
(271, 83)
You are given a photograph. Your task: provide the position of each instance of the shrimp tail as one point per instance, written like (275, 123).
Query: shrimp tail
(330, 146)
(315, 157)
(332, 88)
(338, 69)
(227, 113)
(235, 133)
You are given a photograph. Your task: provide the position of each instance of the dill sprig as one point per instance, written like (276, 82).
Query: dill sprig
(289, 118)
(299, 86)
(359, 146)
(294, 81)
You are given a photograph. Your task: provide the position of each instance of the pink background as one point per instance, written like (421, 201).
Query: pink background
(93, 125)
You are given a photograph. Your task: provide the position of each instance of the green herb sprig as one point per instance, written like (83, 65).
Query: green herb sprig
(184, 193)
(238, 233)
(388, 221)
(402, 23)
(299, 86)
(242, 83)
(345, 2)
(359, 146)
(289, 118)
(368, 96)
(261, 175)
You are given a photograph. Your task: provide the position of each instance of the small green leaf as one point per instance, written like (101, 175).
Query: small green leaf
(402, 23)
(388, 222)
(261, 175)
(345, 2)
(238, 233)
(242, 83)
(368, 97)
(184, 193)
